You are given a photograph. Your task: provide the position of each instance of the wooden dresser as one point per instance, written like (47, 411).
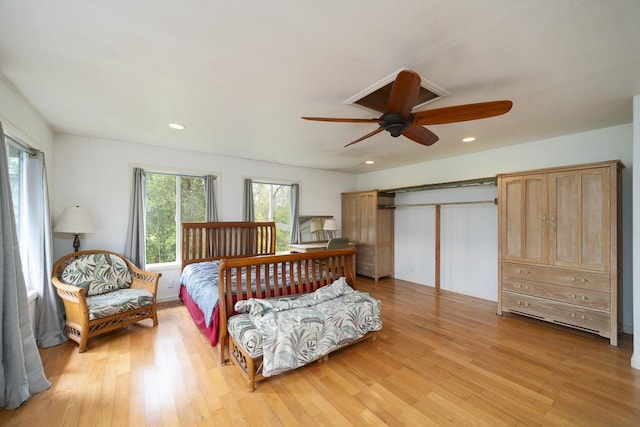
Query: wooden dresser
(368, 224)
(559, 239)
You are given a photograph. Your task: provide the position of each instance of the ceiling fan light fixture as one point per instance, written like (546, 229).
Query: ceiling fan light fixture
(469, 139)
(177, 126)
(369, 162)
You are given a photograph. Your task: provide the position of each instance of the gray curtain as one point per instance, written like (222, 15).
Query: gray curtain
(36, 252)
(22, 374)
(135, 244)
(248, 212)
(210, 195)
(295, 212)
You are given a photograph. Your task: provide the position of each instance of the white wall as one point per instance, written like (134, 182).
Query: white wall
(469, 250)
(468, 240)
(23, 122)
(96, 173)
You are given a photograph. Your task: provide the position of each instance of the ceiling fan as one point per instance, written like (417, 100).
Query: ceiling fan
(399, 120)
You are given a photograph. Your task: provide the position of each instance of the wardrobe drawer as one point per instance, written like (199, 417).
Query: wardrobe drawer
(367, 250)
(577, 296)
(557, 312)
(366, 269)
(366, 255)
(558, 276)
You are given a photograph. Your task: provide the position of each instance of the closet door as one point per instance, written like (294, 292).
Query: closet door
(579, 211)
(523, 214)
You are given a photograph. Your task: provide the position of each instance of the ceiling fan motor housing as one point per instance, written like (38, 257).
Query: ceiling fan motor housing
(394, 123)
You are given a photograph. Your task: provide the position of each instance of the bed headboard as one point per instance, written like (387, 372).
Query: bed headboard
(208, 241)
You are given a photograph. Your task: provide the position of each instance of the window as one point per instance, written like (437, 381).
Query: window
(272, 202)
(170, 200)
(16, 178)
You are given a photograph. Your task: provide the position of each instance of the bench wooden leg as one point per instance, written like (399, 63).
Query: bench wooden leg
(83, 344)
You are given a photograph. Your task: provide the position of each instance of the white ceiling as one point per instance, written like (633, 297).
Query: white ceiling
(240, 74)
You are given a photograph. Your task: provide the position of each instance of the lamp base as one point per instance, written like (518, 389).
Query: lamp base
(76, 242)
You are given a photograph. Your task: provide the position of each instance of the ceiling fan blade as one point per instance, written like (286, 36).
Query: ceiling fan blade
(461, 113)
(404, 93)
(333, 119)
(380, 129)
(420, 135)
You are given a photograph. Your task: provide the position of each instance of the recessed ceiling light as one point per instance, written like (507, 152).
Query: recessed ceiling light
(369, 162)
(177, 126)
(469, 139)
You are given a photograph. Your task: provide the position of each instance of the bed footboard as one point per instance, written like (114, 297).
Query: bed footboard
(276, 276)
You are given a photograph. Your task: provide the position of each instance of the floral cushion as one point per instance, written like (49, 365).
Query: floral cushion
(97, 273)
(245, 333)
(118, 301)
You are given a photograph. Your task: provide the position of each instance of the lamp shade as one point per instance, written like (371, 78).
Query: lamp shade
(316, 225)
(75, 220)
(330, 225)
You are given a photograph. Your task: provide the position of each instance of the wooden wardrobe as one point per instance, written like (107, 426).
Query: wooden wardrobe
(559, 244)
(369, 224)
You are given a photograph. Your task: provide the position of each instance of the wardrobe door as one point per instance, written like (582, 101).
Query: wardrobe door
(524, 222)
(579, 210)
(350, 227)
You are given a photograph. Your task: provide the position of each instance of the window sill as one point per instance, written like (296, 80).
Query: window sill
(165, 266)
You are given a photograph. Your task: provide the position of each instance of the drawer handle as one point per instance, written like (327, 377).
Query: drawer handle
(575, 279)
(582, 316)
(521, 271)
(526, 304)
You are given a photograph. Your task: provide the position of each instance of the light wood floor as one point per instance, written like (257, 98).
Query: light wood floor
(445, 360)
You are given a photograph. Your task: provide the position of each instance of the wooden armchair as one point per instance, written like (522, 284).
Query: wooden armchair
(103, 291)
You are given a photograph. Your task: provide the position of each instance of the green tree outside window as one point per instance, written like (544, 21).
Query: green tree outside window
(272, 202)
(164, 193)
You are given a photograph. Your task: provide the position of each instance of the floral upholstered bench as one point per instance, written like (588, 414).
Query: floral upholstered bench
(274, 335)
(103, 291)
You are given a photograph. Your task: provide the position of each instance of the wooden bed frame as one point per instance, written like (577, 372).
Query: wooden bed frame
(241, 246)
(211, 241)
(306, 273)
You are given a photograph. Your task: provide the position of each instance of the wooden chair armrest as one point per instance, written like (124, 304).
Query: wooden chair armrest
(142, 279)
(69, 292)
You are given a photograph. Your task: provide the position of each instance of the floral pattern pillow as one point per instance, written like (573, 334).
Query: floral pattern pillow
(97, 273)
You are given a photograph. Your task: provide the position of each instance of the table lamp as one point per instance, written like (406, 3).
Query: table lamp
(74, 220)
(330, 227)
